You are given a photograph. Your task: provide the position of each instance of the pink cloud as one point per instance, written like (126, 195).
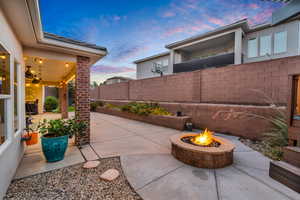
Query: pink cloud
(168, 14)
(216, 21)
(173, 31)
(261, 17)
(253, 6)
(108, 69)
(197, 27)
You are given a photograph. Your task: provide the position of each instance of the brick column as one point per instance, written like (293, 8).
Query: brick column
(82, 97)
(63, 101)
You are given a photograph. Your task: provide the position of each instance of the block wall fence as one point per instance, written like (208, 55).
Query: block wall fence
(203, 93)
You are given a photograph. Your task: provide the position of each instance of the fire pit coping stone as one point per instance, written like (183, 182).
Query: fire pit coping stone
(203, 157)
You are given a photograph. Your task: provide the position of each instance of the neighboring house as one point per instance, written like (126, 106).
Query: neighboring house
(116, 79)
(232, 44)
(54, 59)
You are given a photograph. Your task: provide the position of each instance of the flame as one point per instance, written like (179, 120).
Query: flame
(205, 138)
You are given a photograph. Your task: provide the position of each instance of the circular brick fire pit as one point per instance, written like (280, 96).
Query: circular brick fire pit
(217, 155)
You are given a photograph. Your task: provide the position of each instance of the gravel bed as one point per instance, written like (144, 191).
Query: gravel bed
(274, 153)
(73, 182)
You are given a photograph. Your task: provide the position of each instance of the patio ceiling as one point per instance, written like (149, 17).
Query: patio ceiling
(52, 71)
(212, 43)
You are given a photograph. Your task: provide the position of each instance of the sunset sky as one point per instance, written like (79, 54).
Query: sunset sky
(133, 29)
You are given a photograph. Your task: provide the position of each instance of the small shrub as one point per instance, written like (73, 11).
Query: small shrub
(144, 109)
(278, 136)
(111, 106)
(71, 109)
(51, 103)
(100, 103)
(93, 106)
(160, 111)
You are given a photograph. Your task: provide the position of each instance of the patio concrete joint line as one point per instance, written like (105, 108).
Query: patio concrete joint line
(266, 184)
(156, 179)
(217, 185)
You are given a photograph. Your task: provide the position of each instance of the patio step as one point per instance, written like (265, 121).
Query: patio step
(286, 174)
(292, 155)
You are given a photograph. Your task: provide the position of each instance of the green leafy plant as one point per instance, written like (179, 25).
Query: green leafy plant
(61, 127)
(71, 109)
(278, 135)
(51, 103)
(96, 104)
(112, 106)
(93, 106)
(144, 109)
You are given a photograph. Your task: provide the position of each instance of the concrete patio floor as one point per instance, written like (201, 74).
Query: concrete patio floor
(33, 161)
(155, 175)
(144, 150)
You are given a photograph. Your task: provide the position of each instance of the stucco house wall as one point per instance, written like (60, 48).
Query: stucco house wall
(11, 151)
(143, 69)
(292, 29)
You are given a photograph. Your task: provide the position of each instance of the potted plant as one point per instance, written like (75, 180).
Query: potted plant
(31, 136)
(55, 134)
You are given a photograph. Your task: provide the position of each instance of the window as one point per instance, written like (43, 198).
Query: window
(165, 62)
(280, 42)
(265, 45)
(3, 122)
(4, 92)
(159, 63)
(252, 48)
(4, 73)
(16, 97)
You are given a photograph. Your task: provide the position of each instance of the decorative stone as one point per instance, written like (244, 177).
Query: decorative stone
(110, 175)
(202, 157)
(91, 164)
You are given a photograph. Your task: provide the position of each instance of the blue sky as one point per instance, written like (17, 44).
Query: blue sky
(133, 29)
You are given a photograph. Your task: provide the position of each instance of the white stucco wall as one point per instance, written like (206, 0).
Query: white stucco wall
(292, 29)
(143, 69)
(12, 150)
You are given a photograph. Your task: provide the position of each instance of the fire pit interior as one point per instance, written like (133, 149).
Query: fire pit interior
(202, 150)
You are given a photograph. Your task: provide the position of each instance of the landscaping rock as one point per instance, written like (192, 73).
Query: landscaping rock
(110, 175)
(91, 164)
(73, 182)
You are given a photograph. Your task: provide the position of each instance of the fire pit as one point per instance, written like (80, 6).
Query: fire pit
(202, 150)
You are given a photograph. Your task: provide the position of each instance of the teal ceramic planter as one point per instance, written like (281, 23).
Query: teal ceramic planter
(54, 148)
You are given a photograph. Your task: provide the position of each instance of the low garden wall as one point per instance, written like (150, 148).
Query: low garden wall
(161, 120)
(238, 120)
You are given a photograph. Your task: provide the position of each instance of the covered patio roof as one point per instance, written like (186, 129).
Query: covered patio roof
(55, 59)
(25, 18)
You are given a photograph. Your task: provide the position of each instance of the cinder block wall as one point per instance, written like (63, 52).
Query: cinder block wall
(201, 94)
(235, 84)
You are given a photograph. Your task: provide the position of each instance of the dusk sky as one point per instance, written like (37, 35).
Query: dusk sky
(133, 29)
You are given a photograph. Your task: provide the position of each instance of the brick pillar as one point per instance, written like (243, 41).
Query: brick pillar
(63, 101)
(82, 97)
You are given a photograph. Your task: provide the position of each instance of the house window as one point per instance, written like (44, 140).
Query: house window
(252, 48)
(4, 92)
(165, 62)
(3, 121)
(4, 73)
(265, 45)
(16, 97)
(280, 42)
